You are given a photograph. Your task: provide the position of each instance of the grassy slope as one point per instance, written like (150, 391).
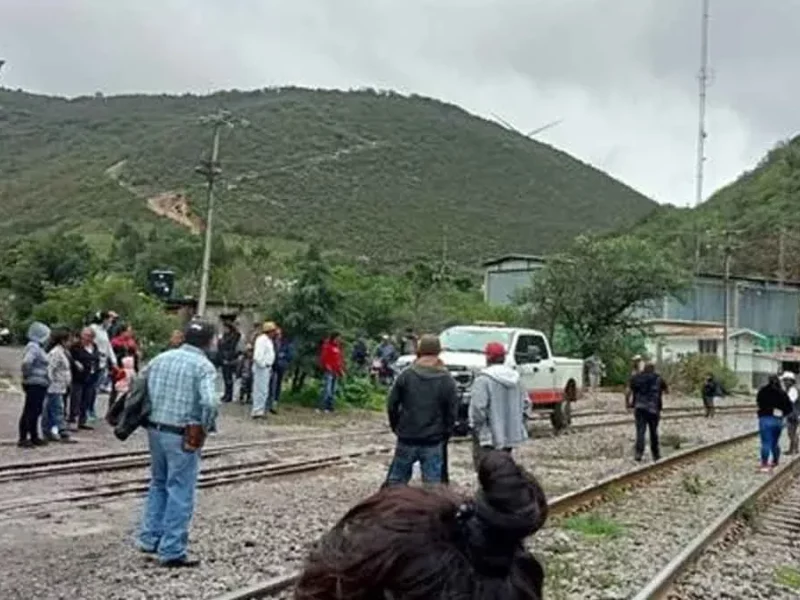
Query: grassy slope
(373, 174)
(757, 206)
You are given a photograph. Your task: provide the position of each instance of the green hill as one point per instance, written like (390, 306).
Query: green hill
(760, 208)
(370, 173)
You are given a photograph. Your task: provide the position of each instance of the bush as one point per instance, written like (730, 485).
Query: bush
(70, 306)
(353, 392)
(687, 374)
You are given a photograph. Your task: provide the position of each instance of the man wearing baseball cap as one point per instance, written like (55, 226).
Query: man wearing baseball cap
(497, 406)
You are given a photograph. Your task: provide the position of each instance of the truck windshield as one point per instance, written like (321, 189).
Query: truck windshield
(472, 340)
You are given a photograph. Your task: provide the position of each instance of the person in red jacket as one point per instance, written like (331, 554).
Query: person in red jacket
(332, 365)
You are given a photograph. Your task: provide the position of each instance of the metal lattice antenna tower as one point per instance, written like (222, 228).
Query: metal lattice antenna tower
(703, 77)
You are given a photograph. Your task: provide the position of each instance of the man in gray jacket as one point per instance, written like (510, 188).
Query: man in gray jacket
(497, 406)
(35, 381)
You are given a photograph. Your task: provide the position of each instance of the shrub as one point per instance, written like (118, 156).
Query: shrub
(687, 374)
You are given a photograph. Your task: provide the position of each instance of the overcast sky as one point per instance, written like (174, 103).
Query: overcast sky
(622, 74)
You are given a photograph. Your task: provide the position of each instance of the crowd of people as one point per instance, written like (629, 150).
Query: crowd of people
(63, 371)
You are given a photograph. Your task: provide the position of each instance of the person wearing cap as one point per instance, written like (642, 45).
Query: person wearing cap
(263, 360)
(789, 381)
(497, 406)
(422, 408)
(182, 393)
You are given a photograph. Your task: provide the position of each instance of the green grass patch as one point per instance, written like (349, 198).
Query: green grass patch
(592, 525)
(788, 576)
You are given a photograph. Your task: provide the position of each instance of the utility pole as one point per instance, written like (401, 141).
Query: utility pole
(727, 252)
(781, 256)
(210, 170)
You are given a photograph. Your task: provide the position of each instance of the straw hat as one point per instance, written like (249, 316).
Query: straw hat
(269, 327)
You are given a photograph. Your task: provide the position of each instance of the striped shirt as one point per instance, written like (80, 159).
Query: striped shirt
(181, 387)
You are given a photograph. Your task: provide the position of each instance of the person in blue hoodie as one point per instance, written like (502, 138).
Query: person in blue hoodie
(35, 381)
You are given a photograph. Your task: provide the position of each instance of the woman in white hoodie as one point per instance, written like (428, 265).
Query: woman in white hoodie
(59, 370)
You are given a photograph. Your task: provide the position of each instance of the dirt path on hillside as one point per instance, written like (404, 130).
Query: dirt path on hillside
(170, 205)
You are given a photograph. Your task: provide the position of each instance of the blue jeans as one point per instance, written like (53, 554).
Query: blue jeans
(53, 414)
(430, 458)
(328, 391)
(275, 385)
(170, 500)
(769, 429)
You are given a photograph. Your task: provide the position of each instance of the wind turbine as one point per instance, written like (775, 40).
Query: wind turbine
(532, 132)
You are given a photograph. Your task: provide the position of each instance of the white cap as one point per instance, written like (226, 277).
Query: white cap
(788, 375)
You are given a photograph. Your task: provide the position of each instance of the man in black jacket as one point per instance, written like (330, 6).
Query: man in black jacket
(229, 349)
(647, 390)
(422, 411)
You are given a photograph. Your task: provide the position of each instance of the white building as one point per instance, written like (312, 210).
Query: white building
(671, 340)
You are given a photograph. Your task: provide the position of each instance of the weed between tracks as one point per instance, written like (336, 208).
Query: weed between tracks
(788, 576)
(592, 525)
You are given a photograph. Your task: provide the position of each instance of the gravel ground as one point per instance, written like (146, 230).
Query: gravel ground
(613, 550)
(259, 529)
(757, 563)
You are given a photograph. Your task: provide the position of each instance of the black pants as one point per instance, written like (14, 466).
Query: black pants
(709, 405)
(647, 421)
(228, 371)
(81, 399)
(29, 421)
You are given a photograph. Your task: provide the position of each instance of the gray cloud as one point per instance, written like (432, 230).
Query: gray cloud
(621, 73)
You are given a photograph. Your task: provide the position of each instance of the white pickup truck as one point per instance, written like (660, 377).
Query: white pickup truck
(552, 382)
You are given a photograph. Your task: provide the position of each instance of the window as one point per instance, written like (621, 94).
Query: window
(463, 339)
(526, 345)
(707, 346)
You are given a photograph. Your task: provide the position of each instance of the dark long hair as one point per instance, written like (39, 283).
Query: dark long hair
(407, 543)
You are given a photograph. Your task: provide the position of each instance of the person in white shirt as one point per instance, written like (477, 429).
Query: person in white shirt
(789, 381)
(263, 359)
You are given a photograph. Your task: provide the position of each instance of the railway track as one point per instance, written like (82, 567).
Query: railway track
(768, 515)
(560, 507)
(116, 461)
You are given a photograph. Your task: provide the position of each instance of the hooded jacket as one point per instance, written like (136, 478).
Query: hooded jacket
(648, 390)
(497, 408)
(34, 358)
(59, 370)
(422, 403)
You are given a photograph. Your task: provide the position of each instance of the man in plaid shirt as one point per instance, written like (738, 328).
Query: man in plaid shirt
(180, 385)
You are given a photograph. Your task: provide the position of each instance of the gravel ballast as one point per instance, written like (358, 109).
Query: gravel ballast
(251, 531)
(612, 551)
(758, 563)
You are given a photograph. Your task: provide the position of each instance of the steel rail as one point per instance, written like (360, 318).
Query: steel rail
(560, 506)
(661, 585)
(115, 461)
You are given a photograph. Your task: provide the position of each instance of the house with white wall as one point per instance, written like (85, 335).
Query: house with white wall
(670, 340)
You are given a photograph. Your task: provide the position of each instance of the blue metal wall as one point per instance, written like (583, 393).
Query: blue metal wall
(763, 307)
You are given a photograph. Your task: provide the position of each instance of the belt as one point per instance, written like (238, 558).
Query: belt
(166, 427)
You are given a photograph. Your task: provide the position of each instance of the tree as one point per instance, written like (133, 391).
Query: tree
(309, 311)
(593, 290)
(69, 306)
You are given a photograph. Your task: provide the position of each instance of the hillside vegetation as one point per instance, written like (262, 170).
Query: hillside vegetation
(760, 208)
(374, 174)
